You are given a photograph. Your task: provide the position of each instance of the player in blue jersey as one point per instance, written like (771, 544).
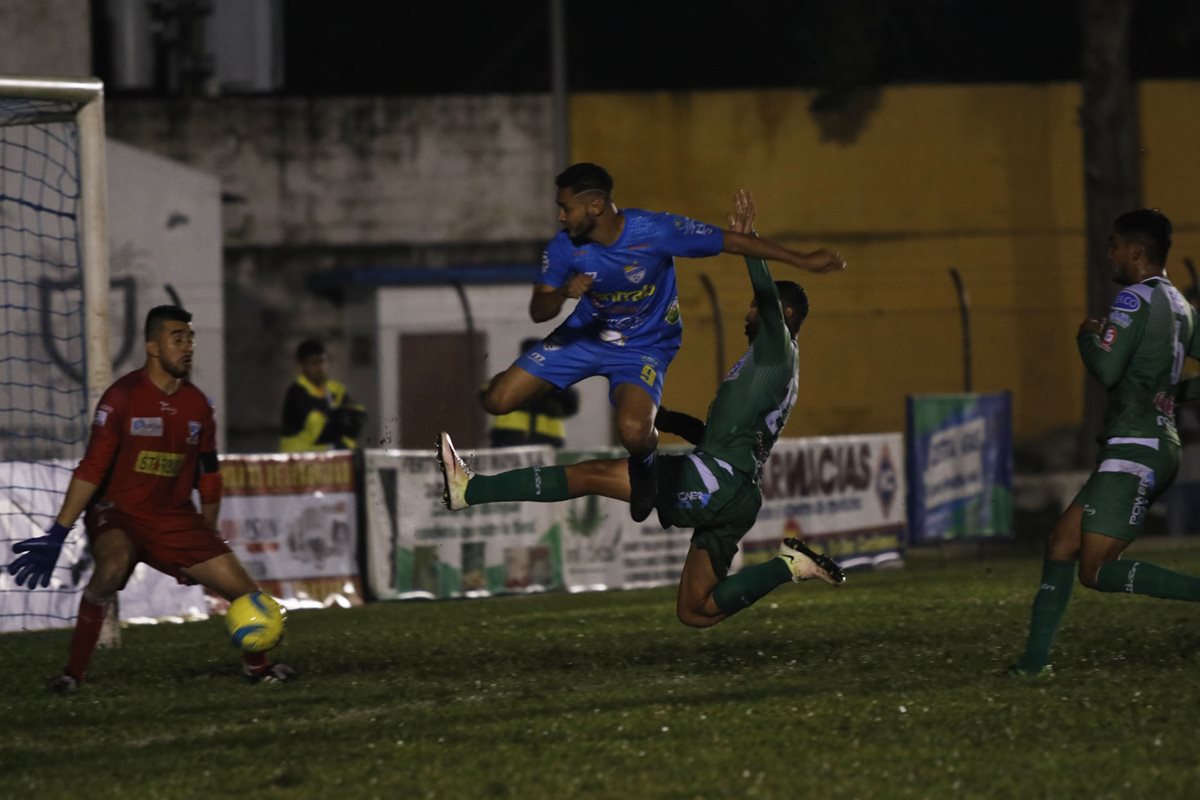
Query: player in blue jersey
(620, 265)
(716, 490)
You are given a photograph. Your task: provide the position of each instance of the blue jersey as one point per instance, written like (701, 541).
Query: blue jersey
(633, 299)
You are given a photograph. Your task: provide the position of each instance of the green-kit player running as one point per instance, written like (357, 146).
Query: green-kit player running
(714, 489)
(1138, 353)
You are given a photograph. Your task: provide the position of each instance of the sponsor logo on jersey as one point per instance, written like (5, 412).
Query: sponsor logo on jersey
(612, 337)
(1120, 318)
(737, 368)
(1108, 338)
(102, 412)
(193, 436)
(635, 273)
(537, 358)
(673, 312)
(167, 408)
(1165, 403)
(692, 499)
(551, 344)
(1127, 301)
(625, 297)
(1142, 501)
(146, 426)
(153, 462)
(545, 261)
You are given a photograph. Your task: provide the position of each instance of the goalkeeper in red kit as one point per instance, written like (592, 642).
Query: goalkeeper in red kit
(153, 441)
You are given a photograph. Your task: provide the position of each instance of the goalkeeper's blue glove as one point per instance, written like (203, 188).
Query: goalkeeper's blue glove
(40, 556)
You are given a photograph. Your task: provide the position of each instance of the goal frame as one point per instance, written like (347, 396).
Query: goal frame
(87, 96)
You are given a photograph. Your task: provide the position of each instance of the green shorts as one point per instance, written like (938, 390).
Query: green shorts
(704, 493)
(1126, 481)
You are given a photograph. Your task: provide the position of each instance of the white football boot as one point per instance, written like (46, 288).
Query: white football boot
(806, 565)
(455, 474)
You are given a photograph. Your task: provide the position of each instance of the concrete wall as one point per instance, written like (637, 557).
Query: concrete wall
(45, 37)
(987, 179)
(983, 178)
(319, 184)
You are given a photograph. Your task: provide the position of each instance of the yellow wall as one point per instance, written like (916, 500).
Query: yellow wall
(987, 179)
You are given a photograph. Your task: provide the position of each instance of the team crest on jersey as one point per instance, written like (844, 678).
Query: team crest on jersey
(193, 436)
(1127, 301)
(1108, 338)
(635, 273)
(551, 344)
(102, 412)
(146, 426)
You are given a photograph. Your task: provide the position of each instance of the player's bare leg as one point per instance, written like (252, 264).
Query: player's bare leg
(635, 427)
(226, 576)
(513, 389)
(115, 557)
(694, 604)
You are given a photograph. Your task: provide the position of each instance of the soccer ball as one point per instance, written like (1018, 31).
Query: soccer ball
(255, 622)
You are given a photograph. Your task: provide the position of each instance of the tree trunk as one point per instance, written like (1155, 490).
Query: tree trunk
(1111, 164)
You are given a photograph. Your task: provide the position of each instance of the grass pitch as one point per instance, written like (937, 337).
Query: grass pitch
(885, 688)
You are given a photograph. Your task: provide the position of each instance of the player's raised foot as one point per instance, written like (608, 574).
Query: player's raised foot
(455, 475)
(806, 564)
(64, 684)
(270, 673)
(643, 486)
(1017, 671)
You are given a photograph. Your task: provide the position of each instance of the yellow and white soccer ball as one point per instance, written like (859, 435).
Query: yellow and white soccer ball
(255, 622)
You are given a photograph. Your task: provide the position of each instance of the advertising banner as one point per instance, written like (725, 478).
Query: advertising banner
(960, 466)
(844, 495)
(419, 549)
(291, 520)
(603, 548)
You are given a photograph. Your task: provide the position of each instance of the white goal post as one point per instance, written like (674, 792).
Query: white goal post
(54, 276)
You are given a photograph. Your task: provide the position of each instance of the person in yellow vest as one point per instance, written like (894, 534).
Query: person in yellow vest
(318, 414)
(539, 423)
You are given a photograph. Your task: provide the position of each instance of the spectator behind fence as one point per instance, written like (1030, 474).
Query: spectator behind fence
(541, 422)
(318, 414)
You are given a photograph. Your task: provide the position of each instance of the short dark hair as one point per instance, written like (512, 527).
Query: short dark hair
(160, 314)
(585, 177)
(309, 348)
(1150, 228)
(793, 296)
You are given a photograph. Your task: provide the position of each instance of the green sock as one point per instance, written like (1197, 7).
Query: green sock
(536, 484)
(1142, 577)
(1049, 604)
(750, 585)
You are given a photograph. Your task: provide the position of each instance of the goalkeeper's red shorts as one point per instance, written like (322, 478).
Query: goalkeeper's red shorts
(169, 542)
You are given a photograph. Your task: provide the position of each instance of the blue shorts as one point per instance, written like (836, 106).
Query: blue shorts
(566, 358)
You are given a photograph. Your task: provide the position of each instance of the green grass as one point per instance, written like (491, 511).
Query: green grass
(887, 687)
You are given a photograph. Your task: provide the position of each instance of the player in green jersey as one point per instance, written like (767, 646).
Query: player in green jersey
(1137, 352)
(715, 488)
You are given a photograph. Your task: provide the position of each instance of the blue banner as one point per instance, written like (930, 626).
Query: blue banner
(959, 466)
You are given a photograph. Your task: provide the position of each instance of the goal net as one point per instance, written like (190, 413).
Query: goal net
(54, 360)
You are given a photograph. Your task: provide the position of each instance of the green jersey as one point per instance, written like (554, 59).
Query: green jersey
(1138, 356)
(753, 403)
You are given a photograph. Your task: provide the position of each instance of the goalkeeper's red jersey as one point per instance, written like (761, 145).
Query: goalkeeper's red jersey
(145, 446)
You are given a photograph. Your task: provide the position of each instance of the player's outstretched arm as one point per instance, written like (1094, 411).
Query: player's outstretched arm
(821, 260)
(38, 555)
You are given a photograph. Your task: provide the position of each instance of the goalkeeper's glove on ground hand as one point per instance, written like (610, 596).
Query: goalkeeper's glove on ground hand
(40, 554)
